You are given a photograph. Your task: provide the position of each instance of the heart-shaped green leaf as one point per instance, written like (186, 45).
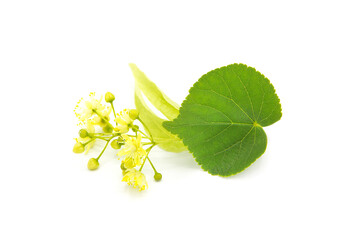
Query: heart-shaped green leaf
(221, 119)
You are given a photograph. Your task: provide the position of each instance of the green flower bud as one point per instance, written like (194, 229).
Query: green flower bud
(116, 144)
(83, 133)
(109, 97)
(93, 164)
(135, 128)
(134, 114)
(123, 172)
(78, 148)
(157, 176)
(107, 129)
(122, 166)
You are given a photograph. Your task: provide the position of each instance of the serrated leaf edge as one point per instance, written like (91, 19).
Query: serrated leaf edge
(186, 99)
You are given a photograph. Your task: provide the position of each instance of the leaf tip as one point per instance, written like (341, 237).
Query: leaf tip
(133, 66)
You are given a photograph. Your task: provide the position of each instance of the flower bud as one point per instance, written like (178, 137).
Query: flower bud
(83, 133)
(157, 176)
(109, 97)
(134, 114)
(107, 129)
(135, 128)
(116, 144)
(78, 148)
(93, 164)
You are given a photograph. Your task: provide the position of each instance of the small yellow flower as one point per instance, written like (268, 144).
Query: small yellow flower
(90, 129)
(132, 151)
(135, 178)
(124, 121)
(85, 108)
(98, 120)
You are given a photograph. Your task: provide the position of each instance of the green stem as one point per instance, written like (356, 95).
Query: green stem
(145, 135)
(107, 143)
(89, 142)
(105, 139)
(152, 165)
(146, 157)
(147, 129)
(147, 143)
(136, 136)
(142, 166)
(112, 106)
(102, 134)
(149, 149)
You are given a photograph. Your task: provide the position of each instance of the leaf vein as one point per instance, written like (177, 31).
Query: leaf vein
(235, 142)
(238, 76)
(210, 124)
(207, 140)
(227, 86)
(262, 102)
(232, 100)
(269, 115)
(201, 104)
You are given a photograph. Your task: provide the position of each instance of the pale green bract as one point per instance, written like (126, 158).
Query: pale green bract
(221, 119)
(152, 123)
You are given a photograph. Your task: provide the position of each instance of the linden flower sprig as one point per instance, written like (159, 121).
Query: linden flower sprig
(93, 115)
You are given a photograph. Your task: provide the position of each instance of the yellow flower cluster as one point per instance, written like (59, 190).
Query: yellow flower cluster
(133, 155)
(91, 112)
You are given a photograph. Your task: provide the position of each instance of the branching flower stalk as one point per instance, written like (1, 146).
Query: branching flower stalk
(134, 147)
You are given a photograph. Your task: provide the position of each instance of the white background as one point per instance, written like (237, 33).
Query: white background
(306, 185)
